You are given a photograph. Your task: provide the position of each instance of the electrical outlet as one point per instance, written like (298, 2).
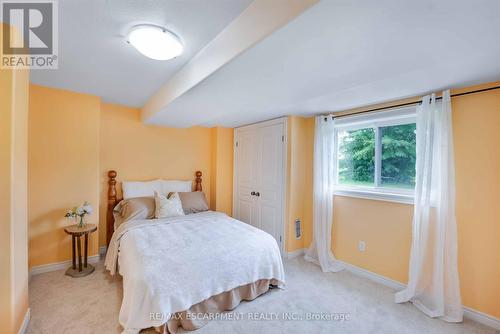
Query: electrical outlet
(362, 246)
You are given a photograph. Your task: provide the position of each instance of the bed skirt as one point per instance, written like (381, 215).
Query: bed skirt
(198, 315)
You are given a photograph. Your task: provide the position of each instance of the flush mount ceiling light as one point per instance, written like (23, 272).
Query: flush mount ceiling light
(155, 42)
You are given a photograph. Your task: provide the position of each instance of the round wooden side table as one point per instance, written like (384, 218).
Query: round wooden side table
(76, 232)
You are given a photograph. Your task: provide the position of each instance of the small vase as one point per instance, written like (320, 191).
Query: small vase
(81, 223)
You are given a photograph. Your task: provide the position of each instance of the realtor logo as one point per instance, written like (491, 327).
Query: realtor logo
(29, 36)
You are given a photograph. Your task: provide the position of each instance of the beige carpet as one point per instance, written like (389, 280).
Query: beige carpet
(60, 304)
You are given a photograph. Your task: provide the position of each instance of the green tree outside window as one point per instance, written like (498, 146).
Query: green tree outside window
(356, 156)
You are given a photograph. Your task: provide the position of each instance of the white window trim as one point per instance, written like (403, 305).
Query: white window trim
(391, 117)
(389, 195)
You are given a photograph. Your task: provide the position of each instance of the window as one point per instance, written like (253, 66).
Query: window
(376, 155)
(356, 157)
(397, 167)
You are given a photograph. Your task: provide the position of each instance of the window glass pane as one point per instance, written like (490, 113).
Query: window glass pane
(398, 156)
(356, 157)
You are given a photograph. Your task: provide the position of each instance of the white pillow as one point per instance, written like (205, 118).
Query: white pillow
(168, 207)
(133, 189)
(175, 186)
(141, 189)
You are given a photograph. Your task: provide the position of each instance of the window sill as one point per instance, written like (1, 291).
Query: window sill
(387, 196)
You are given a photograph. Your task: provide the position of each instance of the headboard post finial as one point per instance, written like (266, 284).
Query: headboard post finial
(197, 186)
(112, 174)
(111, 205)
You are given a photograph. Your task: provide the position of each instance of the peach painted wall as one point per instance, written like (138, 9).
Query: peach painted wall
(222, 170)
(386, 227)
(75, 139)
(299, 180)
(20, 196)
(63, 168)
(14, 94)
(143, 152)
(476, 126)
(5, 199)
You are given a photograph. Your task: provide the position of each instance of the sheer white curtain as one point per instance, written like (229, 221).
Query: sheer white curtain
(433, 284)
(323, 181)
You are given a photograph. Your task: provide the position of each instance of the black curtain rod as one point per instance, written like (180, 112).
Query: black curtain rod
(415, 103)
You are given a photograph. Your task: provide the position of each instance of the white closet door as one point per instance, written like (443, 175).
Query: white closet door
(259, 177)
(271, 179)
(246, 208)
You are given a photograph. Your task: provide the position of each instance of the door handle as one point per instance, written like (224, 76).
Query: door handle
(252, 193)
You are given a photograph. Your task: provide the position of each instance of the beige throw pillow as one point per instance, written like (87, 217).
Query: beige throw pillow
(193, 202)
(168, 207)
(137, 208)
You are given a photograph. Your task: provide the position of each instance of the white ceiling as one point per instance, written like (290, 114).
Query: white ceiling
(344, 54)
(94, 57)
(339, 54)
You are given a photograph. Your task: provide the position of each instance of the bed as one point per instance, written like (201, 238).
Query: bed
(181, 271)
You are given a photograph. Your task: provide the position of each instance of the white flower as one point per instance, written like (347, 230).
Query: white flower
(81, 211)
(87, 208)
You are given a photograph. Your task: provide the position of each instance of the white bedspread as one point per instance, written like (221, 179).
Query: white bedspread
(170, 264)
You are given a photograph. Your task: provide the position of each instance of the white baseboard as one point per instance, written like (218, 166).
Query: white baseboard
(295, 253)
(482, 318)
(373, 276)
(26, 321)
(469, 313)
(45, 268)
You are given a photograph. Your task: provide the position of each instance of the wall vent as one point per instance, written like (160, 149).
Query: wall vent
(298, 229)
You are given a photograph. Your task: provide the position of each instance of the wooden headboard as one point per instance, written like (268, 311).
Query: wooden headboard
(113, 200)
